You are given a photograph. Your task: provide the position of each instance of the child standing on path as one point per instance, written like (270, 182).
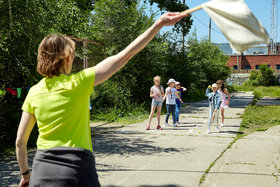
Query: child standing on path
(170, 96)
(225, 102)
(214, 105)
(156, 92)
(180, 90)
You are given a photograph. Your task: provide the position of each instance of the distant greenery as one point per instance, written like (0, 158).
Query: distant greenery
(263, 77)
(267, 91)
(260, 91)
(201, 64)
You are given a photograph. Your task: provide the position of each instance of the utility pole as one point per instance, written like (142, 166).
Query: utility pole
(274, 21)
(210, 30)
(85, 54)
(183, 36)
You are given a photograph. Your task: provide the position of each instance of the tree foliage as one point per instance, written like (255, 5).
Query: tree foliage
(263, 77)
(23, 25)
(184, 25)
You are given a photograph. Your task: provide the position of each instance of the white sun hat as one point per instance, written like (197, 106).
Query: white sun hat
(171, 81)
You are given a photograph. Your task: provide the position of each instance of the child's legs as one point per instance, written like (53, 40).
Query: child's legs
(217, 117)
(153, 108)
(222, 115)
(177, 110)
(173, 113)
(167, 112)
(210, 117)
(158, 113)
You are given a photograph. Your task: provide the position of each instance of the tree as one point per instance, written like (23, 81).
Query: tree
(23, 25)
(267, 77)
(175, 6)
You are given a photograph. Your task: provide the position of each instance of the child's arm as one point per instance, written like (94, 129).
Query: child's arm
(177, 95)
(228, 94)
(163, 99)
(207, 92)
(219, 102)
(151, 94)
(162, 91)
(184, 89)
(111, 65)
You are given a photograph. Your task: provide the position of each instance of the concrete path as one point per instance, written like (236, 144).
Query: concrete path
(268, 101)
(252, 161)
(132, 156)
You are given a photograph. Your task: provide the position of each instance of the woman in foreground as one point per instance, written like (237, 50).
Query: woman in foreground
(59, 104)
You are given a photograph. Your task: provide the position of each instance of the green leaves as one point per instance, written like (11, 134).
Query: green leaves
(175, 6)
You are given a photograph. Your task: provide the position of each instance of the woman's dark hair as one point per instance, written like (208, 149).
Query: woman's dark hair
(223, 87)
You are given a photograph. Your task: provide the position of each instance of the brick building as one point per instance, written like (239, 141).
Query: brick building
(247, 62)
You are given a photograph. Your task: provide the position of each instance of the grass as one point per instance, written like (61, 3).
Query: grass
(242, 163)
(114, 115)
(259, 118)
(260, 91)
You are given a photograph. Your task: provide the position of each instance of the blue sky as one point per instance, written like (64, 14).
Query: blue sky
(260, 8)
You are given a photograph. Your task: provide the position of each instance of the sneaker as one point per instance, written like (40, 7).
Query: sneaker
(208, 131)
(217, 129)
(222, 125)
(174, 125)
(166, 124)
(148, 128)
(177, 122)
(159, 127)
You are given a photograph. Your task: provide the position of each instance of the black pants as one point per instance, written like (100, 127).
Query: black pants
(64, 166)
(170, 110)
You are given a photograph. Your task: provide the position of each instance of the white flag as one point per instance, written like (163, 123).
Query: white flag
(237, 23)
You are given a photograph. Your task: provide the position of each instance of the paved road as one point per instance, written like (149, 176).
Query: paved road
(175, 157)
(131, 156)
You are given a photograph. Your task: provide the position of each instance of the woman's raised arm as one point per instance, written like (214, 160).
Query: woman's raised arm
(111, 65)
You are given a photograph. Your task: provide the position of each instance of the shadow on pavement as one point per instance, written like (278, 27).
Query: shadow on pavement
(119, 144)
(9, 170)
(166, 185)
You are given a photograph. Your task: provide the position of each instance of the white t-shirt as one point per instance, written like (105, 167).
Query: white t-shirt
(171, 96)
(156, 90)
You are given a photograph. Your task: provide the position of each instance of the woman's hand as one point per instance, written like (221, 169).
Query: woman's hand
(227, 102)
(170, 18)
(24, 182)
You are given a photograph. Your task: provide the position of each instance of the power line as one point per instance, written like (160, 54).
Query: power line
(206, 25)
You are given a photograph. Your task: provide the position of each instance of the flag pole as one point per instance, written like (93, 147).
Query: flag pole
(191, 10)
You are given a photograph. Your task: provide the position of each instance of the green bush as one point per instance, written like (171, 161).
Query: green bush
(264, 77)
(267, 78)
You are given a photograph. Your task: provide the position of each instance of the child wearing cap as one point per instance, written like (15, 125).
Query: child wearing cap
(214, 105)
(170, 96)
(156, 92)
(180, 90)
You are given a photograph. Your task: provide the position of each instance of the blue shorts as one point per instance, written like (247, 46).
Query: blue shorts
(156, 103)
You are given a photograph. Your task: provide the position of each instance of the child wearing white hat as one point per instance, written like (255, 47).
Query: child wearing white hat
(214, 105)
(170, 96)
